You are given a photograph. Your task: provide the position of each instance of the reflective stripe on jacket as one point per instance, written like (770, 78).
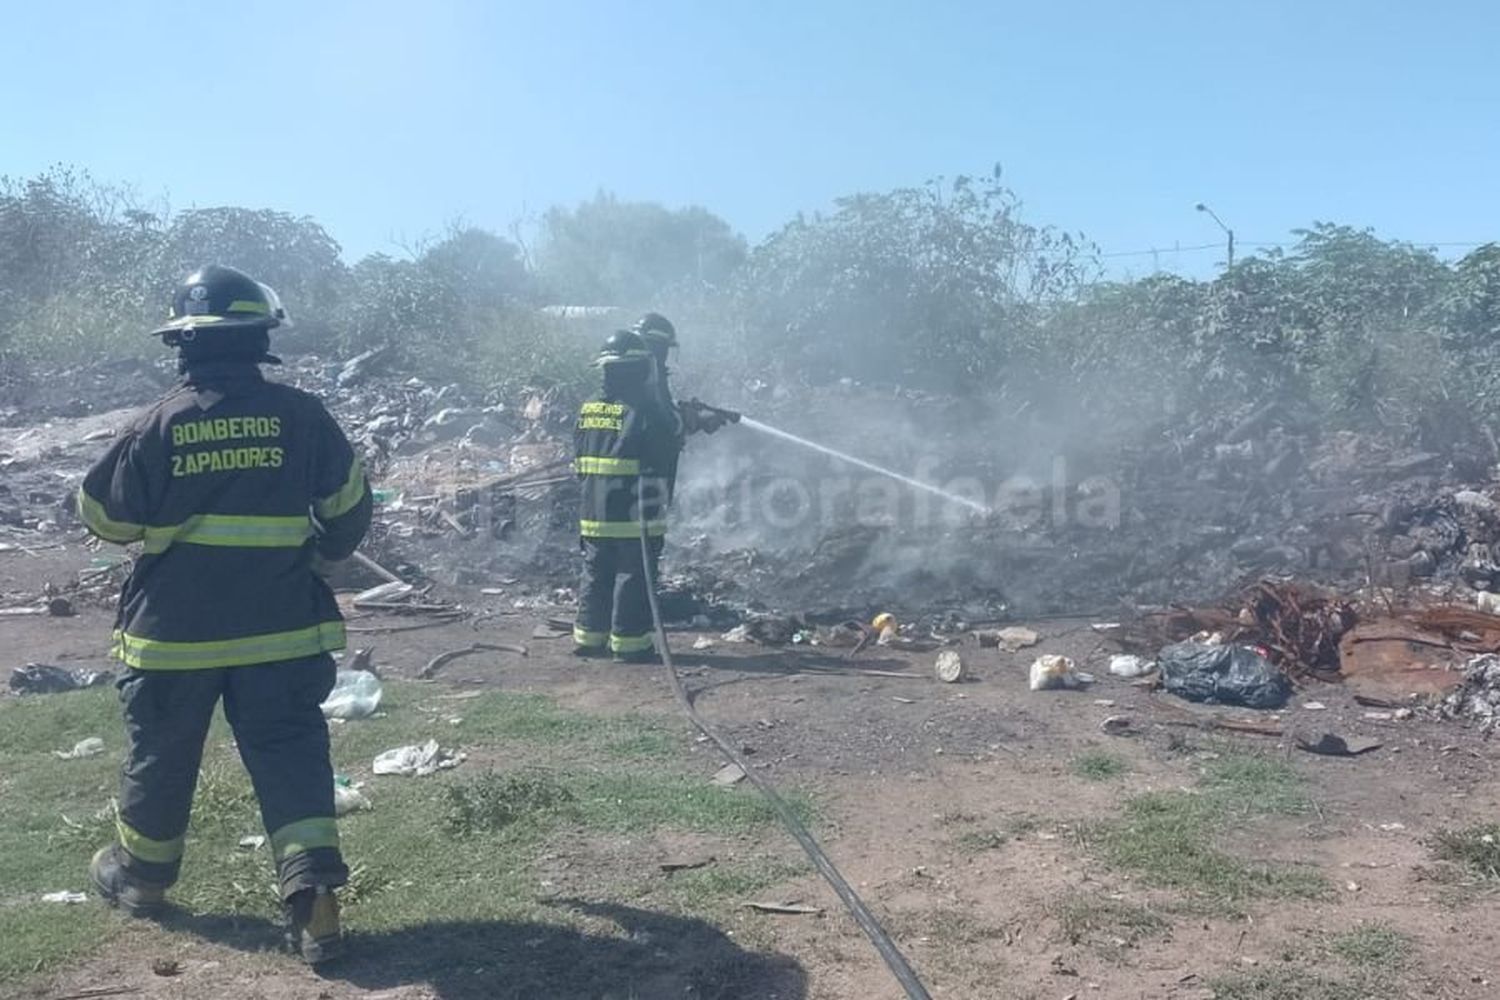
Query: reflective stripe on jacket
(618, 449)
(232, 485)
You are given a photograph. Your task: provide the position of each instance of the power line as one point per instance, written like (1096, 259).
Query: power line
(1259, 245)
(1263, 245)
(1162, 250)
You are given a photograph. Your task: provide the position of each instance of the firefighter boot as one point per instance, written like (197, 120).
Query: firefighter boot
(313, 925)
(135, 896)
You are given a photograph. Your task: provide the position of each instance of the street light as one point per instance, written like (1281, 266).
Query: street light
(1227, 231)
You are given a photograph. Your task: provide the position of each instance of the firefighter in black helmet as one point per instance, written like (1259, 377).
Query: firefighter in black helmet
(660, 337)
(622, 444)
(223, 315)
(233, 486)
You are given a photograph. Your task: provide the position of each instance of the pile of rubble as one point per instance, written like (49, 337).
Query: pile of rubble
(1478, 697)
(450, 469)
(474, 489)
(1299, 627)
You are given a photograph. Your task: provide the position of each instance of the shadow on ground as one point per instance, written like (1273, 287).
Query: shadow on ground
(653, 955)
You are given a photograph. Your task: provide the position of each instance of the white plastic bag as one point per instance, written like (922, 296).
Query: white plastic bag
(83, 748)
(417, 759)
(1128, 665)
(348, 799)
(355, 695)
(1052, 671)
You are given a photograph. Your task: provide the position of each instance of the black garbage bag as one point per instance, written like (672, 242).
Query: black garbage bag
(41, 678)
(1229, 675)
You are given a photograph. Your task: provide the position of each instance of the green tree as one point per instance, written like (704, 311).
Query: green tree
(464, 309)
(636, 255)
(69, 261)
(934, 286)
(292, 254)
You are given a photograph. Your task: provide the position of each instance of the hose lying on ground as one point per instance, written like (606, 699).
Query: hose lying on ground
(877, 934)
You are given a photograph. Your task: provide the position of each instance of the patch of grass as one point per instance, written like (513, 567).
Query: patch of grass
(53, 815)
(1167, 838)
(414, 713)
(1099, 765)
(224, 800)
(979, 841)
(365, 882)
(1289, 983)
(41, 936)
(953, 927)
(83, 833)
(1084, 918)
(1240, 784)
(455, 846)
(720, 883)
(639, 801)
(35, 725)
(992, 837)
(1023, 824)
(1373, 948)
(958, 817)
(988, 838)
(495, 801)
(1476, 849)
(638, 742)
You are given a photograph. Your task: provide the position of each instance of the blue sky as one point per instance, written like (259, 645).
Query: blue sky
(385, 120)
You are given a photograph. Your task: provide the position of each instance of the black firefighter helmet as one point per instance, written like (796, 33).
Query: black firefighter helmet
(657, 331)
(218, 298)
(623, 347)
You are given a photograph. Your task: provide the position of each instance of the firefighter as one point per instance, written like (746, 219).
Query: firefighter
(235, 487)
(685, 419)
(622, 446)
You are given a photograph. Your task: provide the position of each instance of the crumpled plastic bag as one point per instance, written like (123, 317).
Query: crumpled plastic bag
(355, 695)
(1129, 665)
(41, 678)
(1051, 671)
(88, 747)
(348, 799)
(418, 760)
(1228, 675)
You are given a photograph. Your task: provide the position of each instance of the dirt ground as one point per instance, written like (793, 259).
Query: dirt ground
(957, 811)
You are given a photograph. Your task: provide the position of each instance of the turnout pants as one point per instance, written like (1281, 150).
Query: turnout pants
(283, 741)
(613, 606)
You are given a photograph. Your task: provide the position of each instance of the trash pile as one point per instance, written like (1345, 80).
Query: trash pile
(1296, 627)
(469, 491)
(450, 470)
(476, 490)
(1478, 698)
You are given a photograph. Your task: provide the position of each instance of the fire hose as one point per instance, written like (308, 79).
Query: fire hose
(877, 934)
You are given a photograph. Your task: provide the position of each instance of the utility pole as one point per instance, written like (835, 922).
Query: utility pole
(1227, 232)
